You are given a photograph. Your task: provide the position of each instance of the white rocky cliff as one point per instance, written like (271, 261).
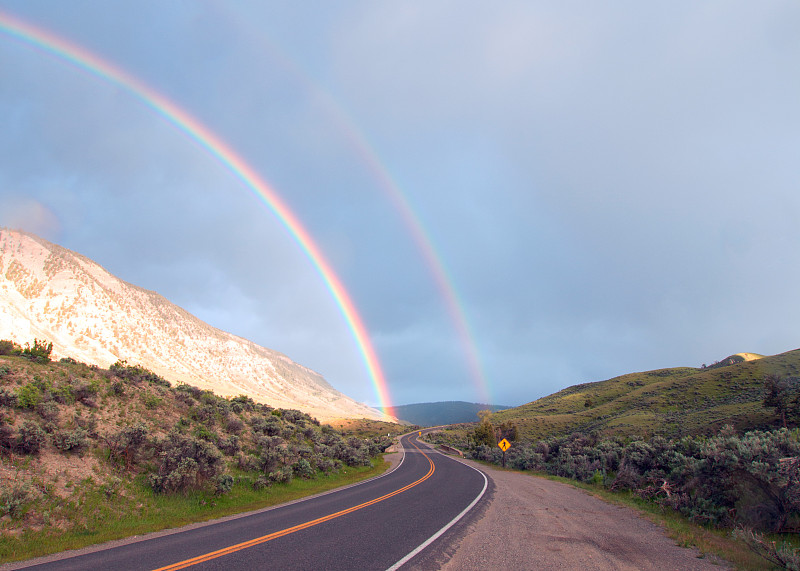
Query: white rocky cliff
(51, 293)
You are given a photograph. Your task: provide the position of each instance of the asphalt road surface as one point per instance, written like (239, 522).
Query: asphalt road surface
(378, 524)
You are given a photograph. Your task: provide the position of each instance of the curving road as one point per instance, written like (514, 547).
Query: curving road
(383, 523)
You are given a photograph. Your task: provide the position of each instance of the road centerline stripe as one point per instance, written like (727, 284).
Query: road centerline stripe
(289, 530)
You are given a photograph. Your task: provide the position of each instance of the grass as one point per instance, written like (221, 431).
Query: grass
(98, 519)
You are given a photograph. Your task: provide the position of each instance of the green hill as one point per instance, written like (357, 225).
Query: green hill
(669, 402)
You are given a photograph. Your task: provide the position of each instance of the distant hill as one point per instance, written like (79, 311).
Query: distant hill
(671, 402)
(436, 413)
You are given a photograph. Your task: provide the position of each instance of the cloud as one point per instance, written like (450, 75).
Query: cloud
(29, 215)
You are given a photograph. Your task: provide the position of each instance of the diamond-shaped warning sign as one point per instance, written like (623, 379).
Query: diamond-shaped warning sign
(504, 444)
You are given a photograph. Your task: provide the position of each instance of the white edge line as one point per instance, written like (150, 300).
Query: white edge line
(455, 520)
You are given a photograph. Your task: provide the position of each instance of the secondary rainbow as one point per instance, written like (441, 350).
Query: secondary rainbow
(190, 125)
(411, 220)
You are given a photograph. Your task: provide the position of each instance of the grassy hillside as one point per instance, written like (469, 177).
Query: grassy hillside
(436, 413)
(90, 454)
(669, 402)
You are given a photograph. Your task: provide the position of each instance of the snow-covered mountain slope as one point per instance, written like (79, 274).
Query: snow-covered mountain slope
(51, 293)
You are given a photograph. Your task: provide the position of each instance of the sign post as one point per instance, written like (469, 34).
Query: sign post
(504, 445)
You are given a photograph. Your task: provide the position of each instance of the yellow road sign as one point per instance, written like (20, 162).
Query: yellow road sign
(504, 444)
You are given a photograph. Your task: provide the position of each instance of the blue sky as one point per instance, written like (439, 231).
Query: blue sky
(611, 187)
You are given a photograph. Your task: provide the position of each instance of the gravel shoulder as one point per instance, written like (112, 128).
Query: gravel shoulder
(535, 523)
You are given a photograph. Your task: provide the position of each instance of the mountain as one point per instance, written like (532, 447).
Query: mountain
(670, 402)
(51, 293)
(436, 413)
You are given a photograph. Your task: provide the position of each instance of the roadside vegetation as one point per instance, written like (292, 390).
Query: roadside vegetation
(90, 454)
(727, 490)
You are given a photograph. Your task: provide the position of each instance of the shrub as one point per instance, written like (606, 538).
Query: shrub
(182, 476)
(137, 374)
(185, 463)
(247, 462)
(304, 469)
(40, 352)
(8, 398)
(70, 440)
(261, 482)
(8, 347)
(784, 555)
(128, 444)
(30, 438)
(84, 392)
(48, 411)
(7, 440)
(4, 369)
(230, 446)
(28, 396)
(13, 499)
(223, 484)
(282, 476)
(234, 424)
(117, 388)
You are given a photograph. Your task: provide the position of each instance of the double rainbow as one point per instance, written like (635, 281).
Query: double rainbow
(194, 128)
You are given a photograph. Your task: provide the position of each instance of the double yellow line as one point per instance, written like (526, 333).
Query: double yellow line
(290, 530)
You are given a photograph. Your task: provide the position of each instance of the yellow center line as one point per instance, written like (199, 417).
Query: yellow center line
(299, 527)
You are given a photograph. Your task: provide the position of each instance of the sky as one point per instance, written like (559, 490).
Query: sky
(517, 196)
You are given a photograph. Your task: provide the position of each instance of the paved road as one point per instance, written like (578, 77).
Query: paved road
(373, 525)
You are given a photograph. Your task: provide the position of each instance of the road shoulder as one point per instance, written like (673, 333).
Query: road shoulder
(535, 523)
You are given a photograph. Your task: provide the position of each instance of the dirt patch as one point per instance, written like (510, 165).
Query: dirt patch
(534, 523)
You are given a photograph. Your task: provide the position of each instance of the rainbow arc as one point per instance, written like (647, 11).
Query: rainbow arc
(225, 154)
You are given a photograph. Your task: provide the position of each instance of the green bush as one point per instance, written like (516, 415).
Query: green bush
(28, 396)
(40, 352)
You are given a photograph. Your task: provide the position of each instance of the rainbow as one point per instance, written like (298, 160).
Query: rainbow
(223, 152)
(423, 241)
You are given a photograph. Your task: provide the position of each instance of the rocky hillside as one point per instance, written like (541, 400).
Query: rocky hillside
(49, 292)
